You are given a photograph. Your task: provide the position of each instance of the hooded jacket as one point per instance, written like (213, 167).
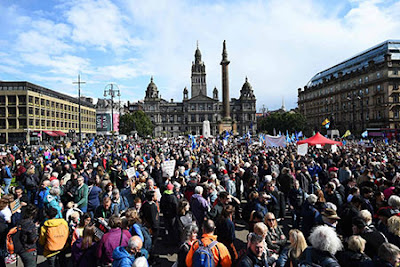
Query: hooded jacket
(43, 238)
(122, 258)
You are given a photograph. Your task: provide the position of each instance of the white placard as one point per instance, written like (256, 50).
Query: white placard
(334, 148)
(168, 168)
(302, 149)
(318, 146)
(131, 172)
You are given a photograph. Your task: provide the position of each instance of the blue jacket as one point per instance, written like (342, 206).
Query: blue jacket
(124, 259)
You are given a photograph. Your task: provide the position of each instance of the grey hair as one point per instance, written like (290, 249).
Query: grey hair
(198, 190)
(140, 262)
(55, 191)
(115, 191)
(394, 201)
(312, 199)
(133, 243)
(55, 183)
(254, 238)
(388, 252)
(189, 230)
(325, 238)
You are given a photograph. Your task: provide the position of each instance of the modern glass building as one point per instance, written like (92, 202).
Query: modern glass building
(359, 93)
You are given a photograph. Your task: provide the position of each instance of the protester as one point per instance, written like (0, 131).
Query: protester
(220, 253)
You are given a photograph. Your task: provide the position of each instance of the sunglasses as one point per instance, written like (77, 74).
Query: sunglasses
(271, 220)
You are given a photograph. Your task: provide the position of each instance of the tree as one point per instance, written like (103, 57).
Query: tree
(290, 121)
(136, 121)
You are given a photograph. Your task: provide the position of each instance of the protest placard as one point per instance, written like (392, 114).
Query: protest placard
(168, 168)
(302, 149)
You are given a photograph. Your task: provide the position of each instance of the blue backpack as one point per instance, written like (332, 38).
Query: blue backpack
(203, 256)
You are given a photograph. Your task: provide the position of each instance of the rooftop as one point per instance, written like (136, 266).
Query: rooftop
(23, 86)
(376, 53)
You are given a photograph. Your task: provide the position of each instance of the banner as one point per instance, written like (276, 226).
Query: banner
(168, 168)
(275, 141)
(302, 149)
(116, 122)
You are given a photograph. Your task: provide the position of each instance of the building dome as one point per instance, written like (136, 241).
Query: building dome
(152, 91)
(246, 86)
(247, 90)
(152, 86)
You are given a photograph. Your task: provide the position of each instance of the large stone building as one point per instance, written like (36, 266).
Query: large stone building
(172, 118)
(359, 93)
(30, 113)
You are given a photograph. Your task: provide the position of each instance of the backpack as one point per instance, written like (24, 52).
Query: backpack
(146, 235)
(203, 256)
(56, 237)
(13, 241)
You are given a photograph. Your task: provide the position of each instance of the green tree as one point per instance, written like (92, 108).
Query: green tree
(291, 121)
(136, 121)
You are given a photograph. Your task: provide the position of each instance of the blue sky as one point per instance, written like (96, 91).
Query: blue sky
(278, 45)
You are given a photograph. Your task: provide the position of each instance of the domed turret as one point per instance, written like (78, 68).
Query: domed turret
(247, 90)
(152, 91)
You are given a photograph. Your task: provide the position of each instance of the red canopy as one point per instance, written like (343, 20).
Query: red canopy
(59, 133)
(319, 139)
(50, 133)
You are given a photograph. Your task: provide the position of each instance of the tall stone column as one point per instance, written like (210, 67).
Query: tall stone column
(226, 123)
(226, 113)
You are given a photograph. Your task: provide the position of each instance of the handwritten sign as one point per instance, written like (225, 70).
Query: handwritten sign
(168, 168)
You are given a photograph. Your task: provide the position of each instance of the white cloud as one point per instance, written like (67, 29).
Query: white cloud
(100, 24)
(279, 45)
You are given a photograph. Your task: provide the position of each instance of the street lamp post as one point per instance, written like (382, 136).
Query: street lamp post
(79, 82)
(109, 90)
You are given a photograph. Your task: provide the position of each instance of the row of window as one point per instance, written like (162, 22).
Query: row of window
(60, 124)
(48, 103)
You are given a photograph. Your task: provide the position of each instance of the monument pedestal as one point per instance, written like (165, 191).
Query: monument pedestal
(225, 125)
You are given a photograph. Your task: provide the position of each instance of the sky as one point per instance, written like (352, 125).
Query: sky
(279, 45)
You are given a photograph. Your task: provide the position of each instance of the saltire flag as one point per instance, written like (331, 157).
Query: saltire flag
(326, 121)
(300, 134)
(90, 144)
(364, 134)
(386, 140)
(249, 135)
(226, 135)
(279, 134)
(347, 133)
(293, 138)
(297, 136)
(287, 137)
(327, 125)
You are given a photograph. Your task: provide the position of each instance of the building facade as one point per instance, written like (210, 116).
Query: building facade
(172, 118)
(357, 94)
(30, 113)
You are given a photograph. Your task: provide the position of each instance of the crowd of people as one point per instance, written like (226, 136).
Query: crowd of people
(111, 203)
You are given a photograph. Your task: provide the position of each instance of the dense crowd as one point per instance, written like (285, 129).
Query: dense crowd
(110, 202)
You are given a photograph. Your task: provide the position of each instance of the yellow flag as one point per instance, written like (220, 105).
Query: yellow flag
(347, 133)
(326, 121)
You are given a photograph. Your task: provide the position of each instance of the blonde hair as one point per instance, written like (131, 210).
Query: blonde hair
(366, 216)
(356, 243)
(394, 225)
(299, 243)
(261, 229)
